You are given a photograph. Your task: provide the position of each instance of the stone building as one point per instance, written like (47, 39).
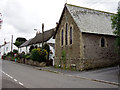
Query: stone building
(84, 39)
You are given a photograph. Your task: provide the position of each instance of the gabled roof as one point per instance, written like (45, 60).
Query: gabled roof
(38, 38)
(90, 20)
(26, 43)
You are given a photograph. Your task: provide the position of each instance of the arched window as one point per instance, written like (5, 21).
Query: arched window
(70, 35)
(66, 34)
(102, 42)
(62, 33)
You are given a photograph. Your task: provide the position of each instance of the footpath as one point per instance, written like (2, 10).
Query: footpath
(110, 75)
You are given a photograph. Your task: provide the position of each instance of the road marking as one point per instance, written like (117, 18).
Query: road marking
(3, 72)
(12, 78)
(15, 80)
(20, 83)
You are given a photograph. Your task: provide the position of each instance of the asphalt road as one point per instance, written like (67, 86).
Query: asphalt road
(109, 74)
(29, 77)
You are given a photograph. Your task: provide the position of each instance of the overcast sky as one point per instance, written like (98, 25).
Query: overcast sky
(21, 17)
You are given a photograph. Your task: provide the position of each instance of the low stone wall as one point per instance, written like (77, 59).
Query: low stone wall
(85, 64)
(28, 62)
(31, 62)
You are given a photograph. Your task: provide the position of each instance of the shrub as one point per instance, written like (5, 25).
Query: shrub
(39, 55)
(4, 56)
(28, 56)
(10, 54)
(31, 48)
(15, 51)
(20, 55)
(47, 48)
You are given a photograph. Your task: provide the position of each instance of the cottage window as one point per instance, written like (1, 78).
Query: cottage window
(66, 34)
(70, 35)
(102, 42)
(62, 33)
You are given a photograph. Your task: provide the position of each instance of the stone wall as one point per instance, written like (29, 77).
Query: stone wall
(85, 52)
(86, 64)
(72, 50)
(93, 49)
(28, 62)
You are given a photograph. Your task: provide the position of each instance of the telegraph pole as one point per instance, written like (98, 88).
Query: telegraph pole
(42, 34)
(4, 45)
(12, 43)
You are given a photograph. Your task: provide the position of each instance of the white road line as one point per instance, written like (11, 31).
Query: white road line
(12, 78)
(3, 72)
(20, 83)
(15, 80)
(6, 74)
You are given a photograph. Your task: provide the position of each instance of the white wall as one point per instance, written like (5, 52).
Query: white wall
(7, 48)
(52, 55)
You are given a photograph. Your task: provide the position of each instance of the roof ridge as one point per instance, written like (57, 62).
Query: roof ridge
(90, 9)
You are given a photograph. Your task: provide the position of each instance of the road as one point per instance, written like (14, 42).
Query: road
(108, 74)
(29, 77)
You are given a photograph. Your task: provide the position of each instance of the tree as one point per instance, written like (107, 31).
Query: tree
(116, 26)
(31, 48)
(19, 41)
(47, 48)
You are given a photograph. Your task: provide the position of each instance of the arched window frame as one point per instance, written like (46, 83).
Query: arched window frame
(70, 34)
(62, 37)
(66, 33)
(105, 42)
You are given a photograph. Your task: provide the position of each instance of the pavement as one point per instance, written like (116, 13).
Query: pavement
(110, 75)
(31, 77)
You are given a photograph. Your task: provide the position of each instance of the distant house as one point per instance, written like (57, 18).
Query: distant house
(4, 49)
(25, 46)
(37, 42)
(85, 37)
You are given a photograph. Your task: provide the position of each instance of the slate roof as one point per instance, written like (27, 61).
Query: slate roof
(89, 20)
(38, 38)
(26, 43)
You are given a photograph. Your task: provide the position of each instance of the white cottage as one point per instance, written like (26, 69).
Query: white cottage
(4, 49)
(37, 42)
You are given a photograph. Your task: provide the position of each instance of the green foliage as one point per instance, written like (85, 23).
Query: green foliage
(20, 55)
(28, 56)
(39, 55)
(31, 48)
(47, 48)
(4, 56)
(15, 51)
(64, 56)
(10, 54)
(116, 26)
(19, 41)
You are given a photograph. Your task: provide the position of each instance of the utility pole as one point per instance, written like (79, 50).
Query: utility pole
(12, 43)
(42, 34)
(4, 45)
